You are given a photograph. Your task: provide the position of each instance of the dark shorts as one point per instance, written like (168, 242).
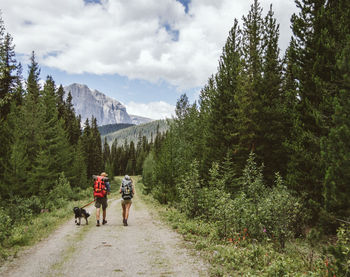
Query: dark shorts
(101, 201)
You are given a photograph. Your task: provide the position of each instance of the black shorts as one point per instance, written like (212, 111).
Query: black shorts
(101, 201)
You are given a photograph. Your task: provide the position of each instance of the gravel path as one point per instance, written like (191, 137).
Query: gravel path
(144, 248)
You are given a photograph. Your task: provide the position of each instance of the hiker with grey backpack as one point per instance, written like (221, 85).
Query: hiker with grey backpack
(127, 191)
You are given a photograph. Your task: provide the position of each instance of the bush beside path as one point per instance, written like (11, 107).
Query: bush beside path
(146, 247)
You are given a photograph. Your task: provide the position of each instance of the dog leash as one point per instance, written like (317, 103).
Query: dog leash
(88, 204)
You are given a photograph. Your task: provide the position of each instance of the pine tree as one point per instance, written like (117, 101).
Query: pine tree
(72, 123)
(321, 30)
(19, 90)
(218, 103)
(32, 124)
(106, 152)
(272, 129)
(335, 147)
(248, 98)
(131, 164)
(96, 149)
(17, 163)
(55, 154)
(7, 93)
(8, 77)
(86, 142)
(305, 166)
(79, 169)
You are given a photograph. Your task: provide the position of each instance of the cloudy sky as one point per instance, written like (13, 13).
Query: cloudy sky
(144, 53)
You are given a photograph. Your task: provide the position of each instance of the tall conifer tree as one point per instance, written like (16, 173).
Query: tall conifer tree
(55, 155)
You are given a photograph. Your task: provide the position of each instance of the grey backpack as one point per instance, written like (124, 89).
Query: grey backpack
(127, 189)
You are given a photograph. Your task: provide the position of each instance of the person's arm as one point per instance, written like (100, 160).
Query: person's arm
(108, 186)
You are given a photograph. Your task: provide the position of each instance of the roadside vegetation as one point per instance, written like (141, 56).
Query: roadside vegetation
(23, 222)
(47, 156)
(242, 242)
(256, 174)
(258, 168)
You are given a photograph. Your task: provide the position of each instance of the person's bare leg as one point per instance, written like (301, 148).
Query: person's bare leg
(104, 214)
(123, 206)
(127, 208)
(98, 215)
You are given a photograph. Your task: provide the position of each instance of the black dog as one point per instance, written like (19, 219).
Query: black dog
(79, 213)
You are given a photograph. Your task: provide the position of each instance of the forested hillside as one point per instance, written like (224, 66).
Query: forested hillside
(125, 150)
(265, 151)
(131, 134)
(111, 128)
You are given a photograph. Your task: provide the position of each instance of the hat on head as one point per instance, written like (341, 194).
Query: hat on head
(104, 174)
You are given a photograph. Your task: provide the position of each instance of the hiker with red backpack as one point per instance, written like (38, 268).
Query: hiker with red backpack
(127, 191)
(101, 189)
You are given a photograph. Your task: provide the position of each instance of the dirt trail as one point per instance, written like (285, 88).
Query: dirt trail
(144, 248)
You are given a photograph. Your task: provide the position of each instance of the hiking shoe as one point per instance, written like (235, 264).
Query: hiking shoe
(104, 222)
(98, 223)
(124, 222)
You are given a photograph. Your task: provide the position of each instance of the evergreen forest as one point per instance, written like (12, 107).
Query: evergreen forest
(265, 150)
(48, 156)
(261, 160)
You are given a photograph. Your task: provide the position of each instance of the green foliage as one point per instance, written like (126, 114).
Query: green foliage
(164, 170)
(60, 194)
(281, 213)
(190, 192)
(111, 128)
(341, 252)
(5, 226)
(147, 173)
(92, 148)
(242, 255)
(271, 212)
(128, 158)
(132, 133)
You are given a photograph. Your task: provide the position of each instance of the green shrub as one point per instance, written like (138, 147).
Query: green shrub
(341, 252)
(34, 203)
(5, 225)
(60, 194)
(280, 213)
(267, 213)
(19, 235)
(147, 172)
(189, 191)
(21, 209)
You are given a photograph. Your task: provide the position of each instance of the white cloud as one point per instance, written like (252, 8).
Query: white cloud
(154, 110)
(129, 37)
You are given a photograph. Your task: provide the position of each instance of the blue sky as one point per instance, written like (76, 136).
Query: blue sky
(144, 53)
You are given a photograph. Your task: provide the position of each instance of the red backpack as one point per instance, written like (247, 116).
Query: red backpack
(100, 187)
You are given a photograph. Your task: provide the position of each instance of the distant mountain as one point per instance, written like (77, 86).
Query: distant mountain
(137, 120)
(105, 109)
(132, 133)
(111, 128)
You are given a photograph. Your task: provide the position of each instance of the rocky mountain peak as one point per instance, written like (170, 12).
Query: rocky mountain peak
(90, 103)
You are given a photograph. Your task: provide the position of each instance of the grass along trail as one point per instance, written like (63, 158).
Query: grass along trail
(146, 247)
